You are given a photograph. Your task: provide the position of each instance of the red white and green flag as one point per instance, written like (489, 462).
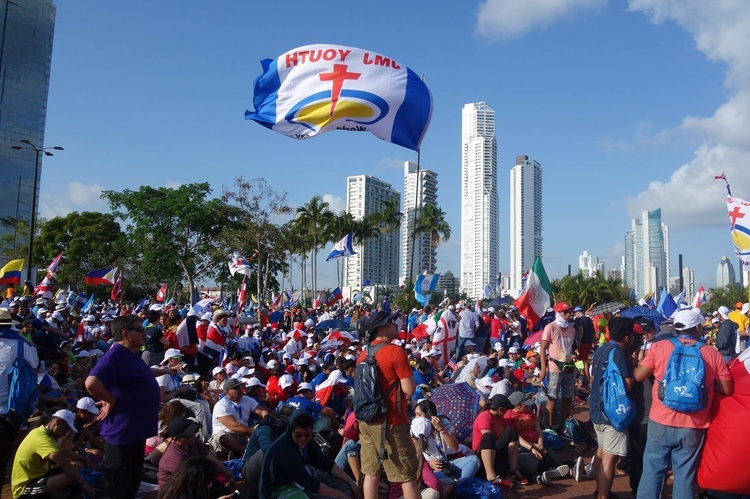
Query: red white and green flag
(535, 301)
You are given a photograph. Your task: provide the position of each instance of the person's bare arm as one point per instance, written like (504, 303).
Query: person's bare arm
(235, 426)
(97, 390)
(724, 386)
(641, 373)
(543, 359)
(408, 386)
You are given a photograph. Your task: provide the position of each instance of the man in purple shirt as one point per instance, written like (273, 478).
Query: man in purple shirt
(129, 397)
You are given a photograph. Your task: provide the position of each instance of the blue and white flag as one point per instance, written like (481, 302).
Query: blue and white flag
(317, 88)
(426, 284)
(342, 249)
(666, 306)
(89, 306)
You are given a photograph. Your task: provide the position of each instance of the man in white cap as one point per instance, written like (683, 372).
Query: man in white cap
(325, 417)
(677, 437)
(32, 474)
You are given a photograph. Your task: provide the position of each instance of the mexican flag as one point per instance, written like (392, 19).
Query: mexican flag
(535, 301)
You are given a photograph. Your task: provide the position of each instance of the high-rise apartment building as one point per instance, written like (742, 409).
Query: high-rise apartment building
(725, 275)
(377, 259)
(480, 226)
(425, 187)
(26, 31)
(525, 218)
(688, 284)
(646, 250)
(590, 265)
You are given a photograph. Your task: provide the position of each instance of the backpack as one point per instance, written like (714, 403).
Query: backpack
(619, 408)
(683, 388)
(368, 401)
(24, 390)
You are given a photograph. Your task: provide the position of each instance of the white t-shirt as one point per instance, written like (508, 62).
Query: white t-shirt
(169, 381)
(503, 387)
(226, 407)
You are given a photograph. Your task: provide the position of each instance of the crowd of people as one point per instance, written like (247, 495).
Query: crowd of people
(263, 406)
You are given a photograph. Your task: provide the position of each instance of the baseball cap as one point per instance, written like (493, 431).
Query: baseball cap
(68, 417)
(686, 319)
(513, 350)
(304, 386)
(189, 378)
(87, 404)
(377, 320)
(469, 343)
(286, 381)
(207, 316)
(516, 398)
(724, 312)
(646, 325)
(499, 346)
(182, 427)
(254, 382)
(562, 306)
(498, 401)
(531, 353)
(172, 353)
(578, 308)
(216, 370)
(232, 384)
(272, 363)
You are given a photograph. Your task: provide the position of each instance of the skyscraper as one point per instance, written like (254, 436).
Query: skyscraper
(424, 254)
(646, 250)
(725, 273)
(377, 256)
(525, 218)
(688, 283)
(480, 229)
(26, 32)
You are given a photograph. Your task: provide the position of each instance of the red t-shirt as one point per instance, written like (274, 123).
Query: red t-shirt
(524, 423)
(394, 366)
(487, 421)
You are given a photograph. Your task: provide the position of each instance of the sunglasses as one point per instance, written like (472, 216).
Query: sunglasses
(300, 435)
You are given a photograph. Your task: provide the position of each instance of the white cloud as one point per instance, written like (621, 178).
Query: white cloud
(335, 203)
(172, 184)
(721, 30)
(392, 162)
(503, 19)
(73, 197)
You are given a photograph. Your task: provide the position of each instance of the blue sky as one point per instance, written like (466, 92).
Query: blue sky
(628, 106)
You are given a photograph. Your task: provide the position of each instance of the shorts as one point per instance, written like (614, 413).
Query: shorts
(37, 487)
(400, 464)
(612, 441)
(584, 350)
(215, 443)
(562, 385)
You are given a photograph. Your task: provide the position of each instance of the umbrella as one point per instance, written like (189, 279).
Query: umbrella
(533, 338)
(460, 403)
(501, 300)
(646, 312)
(608, 307)
(332, 324)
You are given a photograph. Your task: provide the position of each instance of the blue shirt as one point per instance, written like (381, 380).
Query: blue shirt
(300, 402)
(596, 408)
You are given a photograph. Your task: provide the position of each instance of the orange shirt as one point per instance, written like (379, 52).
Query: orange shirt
(394, 366)
(657, 359)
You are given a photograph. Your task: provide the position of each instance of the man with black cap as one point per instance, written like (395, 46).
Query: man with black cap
(397, 386)
(673, 436)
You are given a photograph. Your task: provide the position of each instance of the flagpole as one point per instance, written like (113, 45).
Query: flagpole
(414, 237)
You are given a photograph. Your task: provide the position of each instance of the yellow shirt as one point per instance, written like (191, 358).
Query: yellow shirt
(740, 319)
(31, 459)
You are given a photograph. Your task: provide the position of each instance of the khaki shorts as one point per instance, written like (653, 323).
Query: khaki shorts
(612, 441)
(401, 463)
(215, 442)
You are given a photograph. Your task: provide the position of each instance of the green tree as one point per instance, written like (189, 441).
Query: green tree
(172, 231)
(90, 241)
(314, 216)
(14, 238)
(581, 290)
(431, 221)
(726, 296)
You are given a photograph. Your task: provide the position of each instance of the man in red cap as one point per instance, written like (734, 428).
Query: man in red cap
(557, 342)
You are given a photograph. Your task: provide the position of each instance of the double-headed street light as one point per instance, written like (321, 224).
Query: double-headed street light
(38, 150)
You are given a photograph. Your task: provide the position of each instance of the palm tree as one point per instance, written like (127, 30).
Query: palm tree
(431, 220)
(314, 216)
(389, 220)
(340, 225)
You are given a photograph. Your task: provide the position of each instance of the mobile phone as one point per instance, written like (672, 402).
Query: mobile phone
(236, 493)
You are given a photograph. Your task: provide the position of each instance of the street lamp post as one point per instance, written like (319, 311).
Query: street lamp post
(32, 222)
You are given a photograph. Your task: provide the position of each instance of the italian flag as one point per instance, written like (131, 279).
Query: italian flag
(535, 301)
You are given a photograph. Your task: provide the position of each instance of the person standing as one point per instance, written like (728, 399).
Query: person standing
(585, 338)
(677, 437)
(467, 326)
(129, 397)
(557, 342)
(613, 444)
(727, 335)
(397, 386)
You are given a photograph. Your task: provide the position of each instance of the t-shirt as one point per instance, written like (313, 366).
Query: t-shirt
(467, 324)
(486, 421)
(524, 423)
(587, 338)
(503, 387)
(170, 382)
(153, 335)
(134, 417)
(31, 459)
(560, 344)
(175, 455)
(740, 319)
(596, 407)
(393, 367)
(657, 359)
(300, 402)
(226, 407)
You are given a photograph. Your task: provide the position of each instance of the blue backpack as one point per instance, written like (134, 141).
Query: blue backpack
(683, 388)
(619, 408)
(24, 390)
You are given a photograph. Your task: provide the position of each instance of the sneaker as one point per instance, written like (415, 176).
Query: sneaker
(502, 483)
(578, 469)
(517, 477)
(559, 472)
(543, 480)
(590, 470)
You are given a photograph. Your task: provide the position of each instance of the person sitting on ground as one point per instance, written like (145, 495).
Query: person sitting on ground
(192, 480)
(156, 445)
(496, 444)
(325, 417)
(271, 427)
(230, 420)
(284, 469)
(40, 468)
(87, 437)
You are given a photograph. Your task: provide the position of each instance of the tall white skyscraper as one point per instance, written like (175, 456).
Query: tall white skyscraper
(480, 211)
(688, 282)
(646, 250)
(424, 255)
(365, 196)
(525, 218)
